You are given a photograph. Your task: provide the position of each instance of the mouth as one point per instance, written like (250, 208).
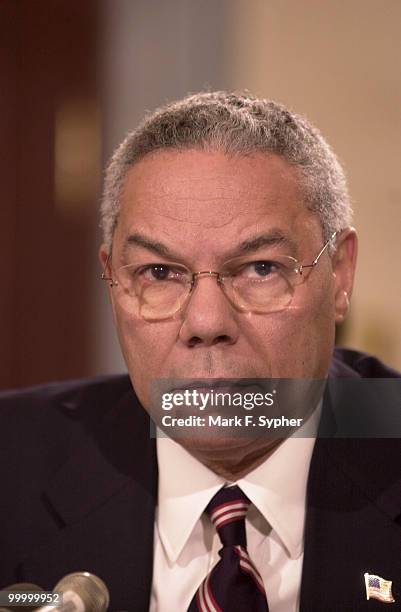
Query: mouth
(207, 384)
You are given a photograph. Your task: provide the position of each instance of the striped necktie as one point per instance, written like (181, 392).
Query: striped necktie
(234, 584)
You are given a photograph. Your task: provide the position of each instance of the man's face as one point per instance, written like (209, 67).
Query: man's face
(201, 206)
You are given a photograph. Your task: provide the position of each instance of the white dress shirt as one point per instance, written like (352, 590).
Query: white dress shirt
(186, 545)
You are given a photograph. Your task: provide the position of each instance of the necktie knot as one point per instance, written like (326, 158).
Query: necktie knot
(227, 511)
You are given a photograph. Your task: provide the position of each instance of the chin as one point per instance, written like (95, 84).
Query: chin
(222, 447)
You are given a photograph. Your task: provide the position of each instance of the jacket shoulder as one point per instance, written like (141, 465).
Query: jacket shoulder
(39, 411)
(348, 362)
(64, 389)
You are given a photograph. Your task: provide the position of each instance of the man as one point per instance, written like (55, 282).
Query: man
(229, 255)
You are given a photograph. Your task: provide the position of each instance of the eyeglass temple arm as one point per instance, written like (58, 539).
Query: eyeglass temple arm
(318, 256)
(104, 277)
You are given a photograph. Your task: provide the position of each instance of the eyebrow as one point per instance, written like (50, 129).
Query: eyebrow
(154, 246)
(274, 237)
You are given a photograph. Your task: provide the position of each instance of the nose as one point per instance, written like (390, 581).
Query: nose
(209, 318)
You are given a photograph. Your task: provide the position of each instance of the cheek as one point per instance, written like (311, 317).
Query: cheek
(297, 342)
(145, 347)
(313, 332)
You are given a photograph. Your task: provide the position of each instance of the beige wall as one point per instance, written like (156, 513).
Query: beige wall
(339, 63)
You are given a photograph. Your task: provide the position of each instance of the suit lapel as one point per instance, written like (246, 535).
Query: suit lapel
(102, 501)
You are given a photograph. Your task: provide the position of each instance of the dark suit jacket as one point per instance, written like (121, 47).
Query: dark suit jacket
(78, 476)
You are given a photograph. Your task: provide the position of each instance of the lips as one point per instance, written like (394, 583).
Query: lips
(207, 384)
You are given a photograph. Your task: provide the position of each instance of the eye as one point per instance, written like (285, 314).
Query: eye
(260, 269)
(161, 272)
(158, 272)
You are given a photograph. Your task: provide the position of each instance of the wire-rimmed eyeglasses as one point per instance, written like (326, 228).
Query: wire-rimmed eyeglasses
(158, 291)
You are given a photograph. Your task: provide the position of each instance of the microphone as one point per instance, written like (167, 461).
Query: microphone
(27, 606)
(82, 592)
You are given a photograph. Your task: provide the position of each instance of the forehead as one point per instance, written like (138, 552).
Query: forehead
(188, 195)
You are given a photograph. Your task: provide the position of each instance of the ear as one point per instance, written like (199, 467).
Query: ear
(103, 255)
(344, 261)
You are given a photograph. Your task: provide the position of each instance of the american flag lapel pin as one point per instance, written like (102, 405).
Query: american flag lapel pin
(378, 588)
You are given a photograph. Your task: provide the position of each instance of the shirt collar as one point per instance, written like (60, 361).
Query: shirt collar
(185, 488)
(277, 488)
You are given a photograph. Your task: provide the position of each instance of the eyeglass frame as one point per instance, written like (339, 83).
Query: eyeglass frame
(219, 277)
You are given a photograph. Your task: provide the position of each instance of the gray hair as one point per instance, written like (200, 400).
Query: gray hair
(237, 124)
